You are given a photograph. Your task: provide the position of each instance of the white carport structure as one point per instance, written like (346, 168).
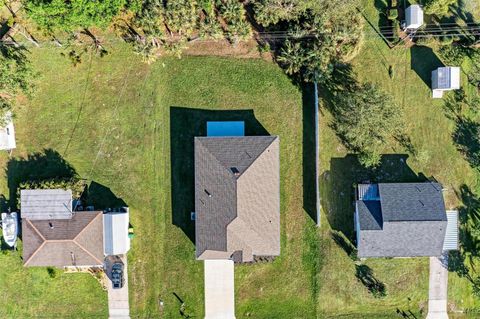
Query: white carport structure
(7, 134)
(413, 17)
(219, 289)
(445, 79)
(115, 232)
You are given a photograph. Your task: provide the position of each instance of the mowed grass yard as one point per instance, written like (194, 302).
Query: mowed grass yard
(129, 127)
(406, 280)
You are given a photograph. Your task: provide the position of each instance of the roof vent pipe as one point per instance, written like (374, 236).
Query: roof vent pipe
(235, 171)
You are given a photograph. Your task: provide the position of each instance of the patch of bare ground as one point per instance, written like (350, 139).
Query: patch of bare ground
(244, 49)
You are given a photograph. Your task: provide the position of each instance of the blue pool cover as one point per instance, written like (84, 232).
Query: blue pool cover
(222, 129)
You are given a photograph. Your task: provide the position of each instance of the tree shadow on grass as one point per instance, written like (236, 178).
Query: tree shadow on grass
(461, 11)
(47, 165)
(38, 166)
(345, 244)
(469, 218)
(365, 275)
(466, 137)
(101, 197)
(423, 62)
(338, 186)
(185, 124)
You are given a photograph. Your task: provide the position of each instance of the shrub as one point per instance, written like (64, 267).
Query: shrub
(76, 185)
(52, 272)
(438, 7)
(365, 117)
(233, 14)
(181, 16)
(392, 14)
(446, 40)
(454, 54)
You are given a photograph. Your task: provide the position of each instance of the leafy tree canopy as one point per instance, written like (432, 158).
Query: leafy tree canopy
(16, 76)
(438, 7)
(365, 119)
(323, 34)
(69, 15)
(269, 12)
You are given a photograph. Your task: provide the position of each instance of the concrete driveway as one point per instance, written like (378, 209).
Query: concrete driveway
(219, 292)
(437, 290)
(118, 306)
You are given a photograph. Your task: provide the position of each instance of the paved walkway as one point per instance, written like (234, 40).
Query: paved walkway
(219, 292)
(118, 306)
(437, 290)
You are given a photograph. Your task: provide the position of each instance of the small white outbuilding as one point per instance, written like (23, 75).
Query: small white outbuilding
(413, 17)
(7, 134)
(115, 232)
(445, 79)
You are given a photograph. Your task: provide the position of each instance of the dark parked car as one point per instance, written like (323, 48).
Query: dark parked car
(117, 275)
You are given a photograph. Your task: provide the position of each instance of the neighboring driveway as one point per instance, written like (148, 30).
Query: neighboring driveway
(437, 290)
(118, 306)
(219, 292)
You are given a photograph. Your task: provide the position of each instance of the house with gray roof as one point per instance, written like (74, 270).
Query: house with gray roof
(403, 220)
(237, 197)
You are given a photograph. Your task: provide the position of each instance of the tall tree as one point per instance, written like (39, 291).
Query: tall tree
(314, 35)
(16, 75)
(365, 118)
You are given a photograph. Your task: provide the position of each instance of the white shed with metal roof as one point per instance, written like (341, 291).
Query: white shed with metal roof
(413, 17)
(445, 79)
(115, 232)
(7, 134)
(44, 204)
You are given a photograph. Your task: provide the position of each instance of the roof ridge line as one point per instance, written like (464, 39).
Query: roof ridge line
(36, 230)
(85, 250)
(275, 137)
(216, 159)
(35, 252)
(86, 226)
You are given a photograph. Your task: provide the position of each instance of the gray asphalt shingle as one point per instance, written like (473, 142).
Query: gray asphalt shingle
(237, 196)
(407, 220)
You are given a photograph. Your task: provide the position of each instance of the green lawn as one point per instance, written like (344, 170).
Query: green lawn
(435, 156)
(129, 127)
(31, 292)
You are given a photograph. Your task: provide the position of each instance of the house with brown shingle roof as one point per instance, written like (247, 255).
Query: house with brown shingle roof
(64, 242)
(55, 234)
(237, 197)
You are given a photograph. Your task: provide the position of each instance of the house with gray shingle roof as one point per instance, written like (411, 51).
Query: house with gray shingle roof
(403, 220)
(237, 197)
